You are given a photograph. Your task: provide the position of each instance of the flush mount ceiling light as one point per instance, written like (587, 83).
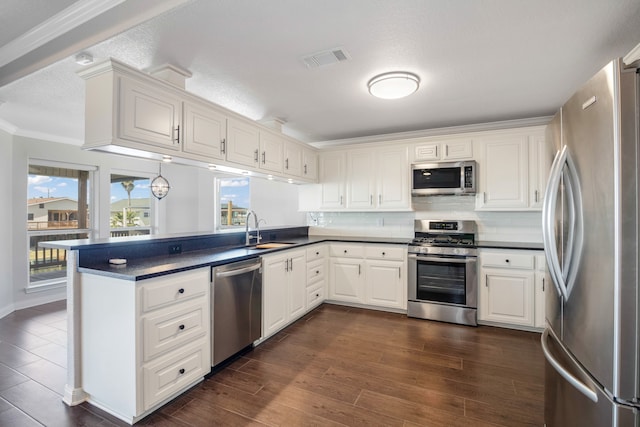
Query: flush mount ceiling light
(393, 85)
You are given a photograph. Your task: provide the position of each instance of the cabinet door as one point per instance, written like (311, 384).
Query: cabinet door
(539, 164)
(293, 159)
(457, 150)
(271, 152)
(346, 280)
(310, 164)
(392, 172)
(205, 131)
(332, 176)
(504, 174)
(242, 143)
(360, 179)
(297, 281)
(506, 296)
(385, 284)
(427, 152)
(275, 294)
(149, 114)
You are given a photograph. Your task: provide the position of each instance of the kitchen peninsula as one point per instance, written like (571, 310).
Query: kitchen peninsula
(136, 307)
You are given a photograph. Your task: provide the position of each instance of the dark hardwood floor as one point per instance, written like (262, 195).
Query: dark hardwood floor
(336, 366)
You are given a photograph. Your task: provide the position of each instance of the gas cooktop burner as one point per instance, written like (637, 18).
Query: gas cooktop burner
(444, 241)
(444, 233)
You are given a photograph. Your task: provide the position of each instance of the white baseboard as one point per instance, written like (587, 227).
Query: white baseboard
(6, 310)
(34, 301)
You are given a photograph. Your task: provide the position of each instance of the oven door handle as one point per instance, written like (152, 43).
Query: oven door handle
(440, 259)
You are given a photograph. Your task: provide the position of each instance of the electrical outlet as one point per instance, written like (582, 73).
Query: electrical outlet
(175, 249)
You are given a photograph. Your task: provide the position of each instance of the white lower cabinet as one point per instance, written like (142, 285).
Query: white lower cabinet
(144, 342)
(368, 274)
(284, 292)
(508, 289)
(316, 275)
(540, 285)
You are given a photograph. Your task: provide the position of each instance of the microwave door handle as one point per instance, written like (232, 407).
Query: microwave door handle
(549, 219)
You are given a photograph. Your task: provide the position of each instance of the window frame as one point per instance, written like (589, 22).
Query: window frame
(45, 285)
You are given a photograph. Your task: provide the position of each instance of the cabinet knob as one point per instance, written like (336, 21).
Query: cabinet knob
(383, 253)
(181, 290)
(345, 251)
(317, 295)
(317, 253)
(181, 371)
(317, 271)
(506, 260)
(181, 327)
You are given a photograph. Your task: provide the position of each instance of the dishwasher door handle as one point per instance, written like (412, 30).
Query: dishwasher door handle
(238, 271)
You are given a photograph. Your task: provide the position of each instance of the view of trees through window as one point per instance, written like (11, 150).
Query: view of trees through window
(130, 211)
(57, 209)
(233, 199)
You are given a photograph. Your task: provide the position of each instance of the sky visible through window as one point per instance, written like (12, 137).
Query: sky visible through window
(236, 190)
(52, 186)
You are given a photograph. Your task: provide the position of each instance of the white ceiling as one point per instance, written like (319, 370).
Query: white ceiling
(479, 61)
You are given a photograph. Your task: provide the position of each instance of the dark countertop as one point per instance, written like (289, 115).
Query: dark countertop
(533, 246)
(145, 268)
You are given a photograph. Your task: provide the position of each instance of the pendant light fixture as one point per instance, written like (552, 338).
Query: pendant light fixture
(397, 84)
(160, 186)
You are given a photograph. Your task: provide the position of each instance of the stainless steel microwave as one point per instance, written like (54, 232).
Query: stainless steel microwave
(443, 178)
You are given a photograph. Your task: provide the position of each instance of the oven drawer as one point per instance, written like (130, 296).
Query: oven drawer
(507, 260)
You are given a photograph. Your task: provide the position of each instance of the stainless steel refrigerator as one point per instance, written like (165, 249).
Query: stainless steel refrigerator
(590, 232)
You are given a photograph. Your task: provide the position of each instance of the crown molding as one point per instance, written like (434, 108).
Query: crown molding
(632, 56)
(13, 130)
(450, 130)
(66, 20)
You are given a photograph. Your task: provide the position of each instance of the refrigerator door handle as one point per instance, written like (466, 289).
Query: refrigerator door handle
(575, 382)
(548, 220)
(563, 278)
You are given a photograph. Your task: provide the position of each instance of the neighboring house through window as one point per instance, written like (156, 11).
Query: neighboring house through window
(58, 208)
(233, 201)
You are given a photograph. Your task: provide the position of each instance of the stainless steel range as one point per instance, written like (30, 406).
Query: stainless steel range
(442, 272)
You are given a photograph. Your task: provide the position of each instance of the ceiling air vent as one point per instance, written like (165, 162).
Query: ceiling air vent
(326, 57)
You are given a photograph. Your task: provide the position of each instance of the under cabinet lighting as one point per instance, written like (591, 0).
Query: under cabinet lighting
(166, 158)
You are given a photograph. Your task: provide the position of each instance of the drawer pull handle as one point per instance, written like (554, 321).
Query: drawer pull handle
(181, 290)
(181, 371)
(181, 327)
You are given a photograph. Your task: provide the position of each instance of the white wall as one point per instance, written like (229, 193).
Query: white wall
(276, 202)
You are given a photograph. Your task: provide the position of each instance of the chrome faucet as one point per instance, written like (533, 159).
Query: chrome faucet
(256, 224)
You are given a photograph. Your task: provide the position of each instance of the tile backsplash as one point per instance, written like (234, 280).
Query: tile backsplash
(494, 226)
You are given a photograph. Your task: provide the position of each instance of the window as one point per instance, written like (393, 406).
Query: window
(233, 201)
(58, 208)
(130, 205)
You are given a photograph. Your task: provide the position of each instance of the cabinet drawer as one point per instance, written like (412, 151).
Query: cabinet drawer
(347, 251)
(541, 263)
(507, 260)
(316, 252)
(385, 252)
(174, 326)
(170, 375)
(315, 295)
(174, 288)
(315, 272)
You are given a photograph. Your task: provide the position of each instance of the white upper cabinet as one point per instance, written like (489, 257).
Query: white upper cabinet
(271, 152)
(243, 143)
(149, 115)
(513, 170)
(365, 179)
(332, 180)
(204, 131)
(309, 164)
(453, 150)
(293, 159)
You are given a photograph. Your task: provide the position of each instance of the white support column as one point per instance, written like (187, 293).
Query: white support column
(73, 392)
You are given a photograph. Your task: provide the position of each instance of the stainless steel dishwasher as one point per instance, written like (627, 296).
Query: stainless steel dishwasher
(236, 301)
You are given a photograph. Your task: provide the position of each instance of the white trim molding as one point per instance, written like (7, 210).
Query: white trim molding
(632, 56)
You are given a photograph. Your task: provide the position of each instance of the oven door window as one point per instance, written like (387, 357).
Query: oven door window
(442, 281)
(425, 179)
